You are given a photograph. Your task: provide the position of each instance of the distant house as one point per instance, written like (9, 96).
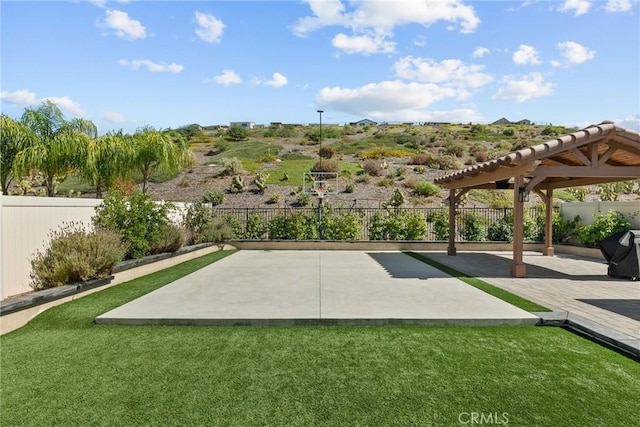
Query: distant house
(364, 122)
(524, 122)
(436, 123)
(246, 125)
(501, 121)
(276, 124)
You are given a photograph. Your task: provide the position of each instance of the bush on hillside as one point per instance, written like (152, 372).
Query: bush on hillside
(326, 166)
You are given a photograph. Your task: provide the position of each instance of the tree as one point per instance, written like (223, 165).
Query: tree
(14, 137)
(108, 158)
(59, 146)
(155, 151)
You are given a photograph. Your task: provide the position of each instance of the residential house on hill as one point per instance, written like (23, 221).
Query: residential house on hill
(364, 122)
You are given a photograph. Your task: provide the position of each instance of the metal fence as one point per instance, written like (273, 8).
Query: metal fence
(474, 219)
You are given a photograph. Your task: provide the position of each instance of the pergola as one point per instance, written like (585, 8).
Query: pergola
(597, 154)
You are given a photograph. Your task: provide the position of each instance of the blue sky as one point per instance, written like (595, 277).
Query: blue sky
(126, 64)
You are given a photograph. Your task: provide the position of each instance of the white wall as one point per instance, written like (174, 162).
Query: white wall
(26, 223)
(587, 210)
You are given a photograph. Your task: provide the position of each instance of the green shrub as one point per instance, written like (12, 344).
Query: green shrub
(350, 187)
(215, 231)
(419, 169)
(169, 238)
(295, 226)
(136, 218)
(426, 189)
(347, 226)
(456, 149)
(445, 163)
(260, 181)
(214, 197)
(502, 229)
(385, 182)
(75, 255)
(602, 227)
(256, 227)
(237, 185)
(473, 227)
(274, 199)
(397, 199)
(303, 199)
(415, 226)
(237, 133)
(197, 215)
(440, 221)
(231, 166)
(562, 229)
(397, 225)
(508, 132)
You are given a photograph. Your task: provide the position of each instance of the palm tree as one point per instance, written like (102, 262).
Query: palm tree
(14, 137)
(154, 151)
(59, 147)
(108, 158)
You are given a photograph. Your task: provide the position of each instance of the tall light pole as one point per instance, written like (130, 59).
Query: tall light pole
(320, 151)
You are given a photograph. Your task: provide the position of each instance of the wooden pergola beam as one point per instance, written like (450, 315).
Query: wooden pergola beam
(498, 174)
(630, 172)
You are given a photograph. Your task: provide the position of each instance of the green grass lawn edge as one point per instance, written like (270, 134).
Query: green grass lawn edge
(497, 292)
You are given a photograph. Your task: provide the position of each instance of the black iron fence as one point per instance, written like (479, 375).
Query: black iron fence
(429, 223)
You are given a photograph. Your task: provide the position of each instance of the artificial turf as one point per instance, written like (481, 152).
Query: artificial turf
(61, 369)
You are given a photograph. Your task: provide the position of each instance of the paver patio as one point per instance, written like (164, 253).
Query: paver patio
(562, 282)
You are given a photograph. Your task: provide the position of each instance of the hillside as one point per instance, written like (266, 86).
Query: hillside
(292, 150)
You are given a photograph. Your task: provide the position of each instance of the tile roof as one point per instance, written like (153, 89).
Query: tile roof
(613, 146)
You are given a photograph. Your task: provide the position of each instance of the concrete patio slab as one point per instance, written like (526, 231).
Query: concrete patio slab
(317, 287)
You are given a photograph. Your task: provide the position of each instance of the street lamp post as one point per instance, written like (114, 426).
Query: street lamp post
(320, 199)
(320, 151)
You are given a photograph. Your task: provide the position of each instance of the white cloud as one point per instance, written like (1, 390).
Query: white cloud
(26, 98)
(20, 97)
(114, 117)
(578, 7)
(123, 25)
(66, 104)
(228, 77)
(420, 41)
(385, 100)
(209, 29)
(363, 44)
(451, 72)
(374, 21)
(615, 6)
(630, 122)
(103, 3)
(151, 66)
(527, 87)
(277, 80)
(526, 55)
(575, 53)
(480, 51)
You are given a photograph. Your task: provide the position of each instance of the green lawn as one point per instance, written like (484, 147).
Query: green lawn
(62, 369)
(296, 168)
